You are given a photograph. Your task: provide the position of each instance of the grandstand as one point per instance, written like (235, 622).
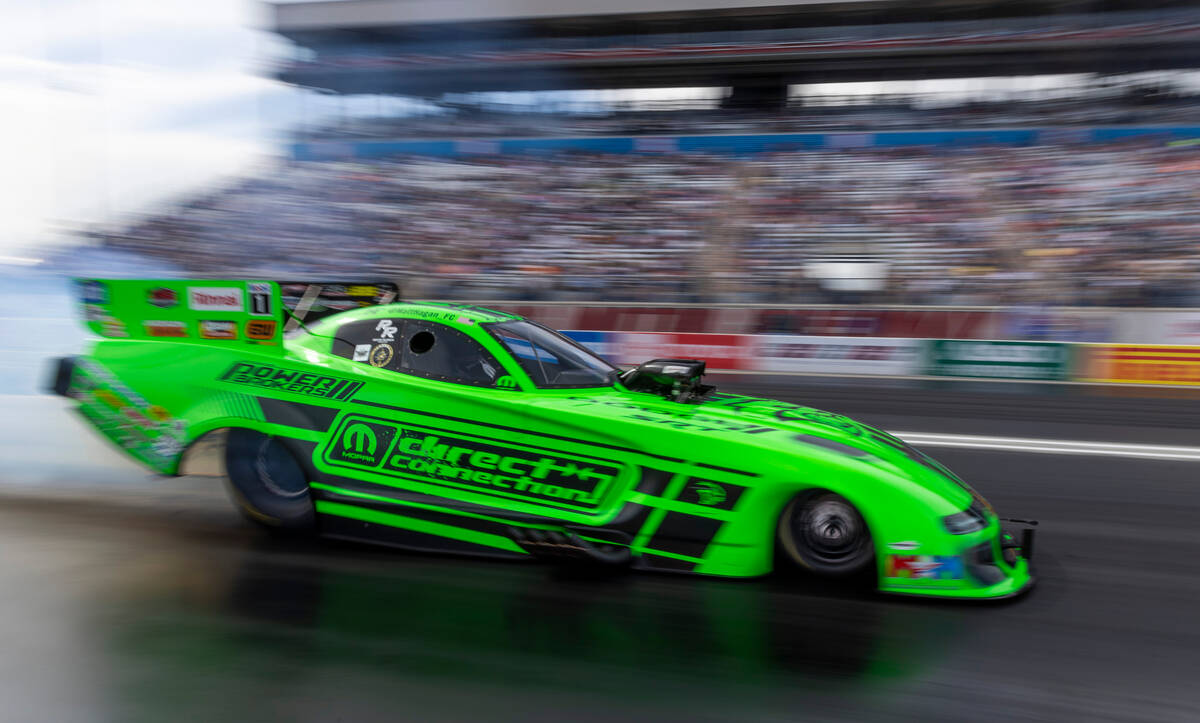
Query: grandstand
(773, 193)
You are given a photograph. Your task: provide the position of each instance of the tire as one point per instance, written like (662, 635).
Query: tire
(267, 482)
(822, 532)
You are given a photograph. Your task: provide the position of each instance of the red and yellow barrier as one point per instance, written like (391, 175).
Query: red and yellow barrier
(1142, 364)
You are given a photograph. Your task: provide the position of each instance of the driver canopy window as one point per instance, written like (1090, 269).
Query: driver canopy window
(421, 348)
(550, 359)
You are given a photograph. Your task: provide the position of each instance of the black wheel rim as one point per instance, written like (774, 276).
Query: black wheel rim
(830, 531)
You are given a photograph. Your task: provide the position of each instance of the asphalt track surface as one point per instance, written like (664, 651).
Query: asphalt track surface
(129, 598)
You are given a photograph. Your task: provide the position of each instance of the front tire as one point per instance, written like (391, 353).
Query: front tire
(267, 482)
(822, 532)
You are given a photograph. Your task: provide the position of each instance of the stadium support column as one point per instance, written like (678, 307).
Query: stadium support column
(758, 92)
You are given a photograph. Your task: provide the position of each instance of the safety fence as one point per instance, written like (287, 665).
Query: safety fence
(907, 357)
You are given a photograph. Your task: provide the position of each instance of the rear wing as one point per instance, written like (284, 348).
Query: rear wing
(216, 312)
(309, 301)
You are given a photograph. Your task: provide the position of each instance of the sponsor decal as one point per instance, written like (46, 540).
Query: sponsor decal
(136, 417)
(165, 328)
(381, 355)
(110, 399)
(260, 330)
(212, 298)
(260, 298)
(218, 330)
(903, 546)
(93, 292)
(386, 328)
(158, 413)
(506, 382)
(924, 567)
(465, 320)
(113, 327)
(362, 352)
(162, 297)
(92, 312)
(268, 376)
(443, 457)
(709, 492)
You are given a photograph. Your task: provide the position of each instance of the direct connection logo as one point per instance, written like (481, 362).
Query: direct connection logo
(444, 457)
(207, 298)
(268, 376)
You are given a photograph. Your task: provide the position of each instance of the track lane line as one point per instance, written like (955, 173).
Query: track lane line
(1052, 446)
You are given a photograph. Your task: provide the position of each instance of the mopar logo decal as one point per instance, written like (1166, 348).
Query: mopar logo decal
(362, 443)
(443, 457)
(506, 382)
(359, 436)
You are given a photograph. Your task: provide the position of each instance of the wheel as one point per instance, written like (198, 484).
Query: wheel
(822, 532)
(267, 482)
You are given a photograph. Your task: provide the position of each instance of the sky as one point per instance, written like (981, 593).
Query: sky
(109, 107)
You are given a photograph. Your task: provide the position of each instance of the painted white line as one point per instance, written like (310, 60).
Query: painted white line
(1051, 446)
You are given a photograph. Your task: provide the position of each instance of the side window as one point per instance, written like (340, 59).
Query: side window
(423, 349)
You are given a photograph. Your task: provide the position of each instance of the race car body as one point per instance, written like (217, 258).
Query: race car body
(455, 428)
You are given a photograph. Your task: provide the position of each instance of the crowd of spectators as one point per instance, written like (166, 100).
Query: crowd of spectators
(1094, 225)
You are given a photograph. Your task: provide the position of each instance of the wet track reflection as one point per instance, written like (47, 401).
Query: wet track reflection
(149, 599)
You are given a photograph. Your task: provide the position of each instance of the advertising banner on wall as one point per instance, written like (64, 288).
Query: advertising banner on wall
(1157, 327)
(1142, 364)
(720, 351)
(837, 355)
(998, 359)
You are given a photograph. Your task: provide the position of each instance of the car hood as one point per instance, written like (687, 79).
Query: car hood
(804, 430)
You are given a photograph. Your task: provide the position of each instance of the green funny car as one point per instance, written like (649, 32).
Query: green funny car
(455, 428)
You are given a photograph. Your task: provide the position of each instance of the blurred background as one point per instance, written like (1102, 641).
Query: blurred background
(967, 216)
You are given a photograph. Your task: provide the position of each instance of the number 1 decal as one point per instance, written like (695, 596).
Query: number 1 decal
(260, 298)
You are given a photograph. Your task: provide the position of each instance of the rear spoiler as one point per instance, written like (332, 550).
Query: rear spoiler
(309, 301)
(217, 312)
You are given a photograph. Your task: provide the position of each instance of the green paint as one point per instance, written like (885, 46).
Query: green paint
(550, 459)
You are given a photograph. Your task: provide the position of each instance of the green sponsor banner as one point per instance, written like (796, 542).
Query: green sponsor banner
(998, 359)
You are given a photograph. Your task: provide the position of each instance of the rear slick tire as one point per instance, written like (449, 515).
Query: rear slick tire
(820, 531)
(267, 482)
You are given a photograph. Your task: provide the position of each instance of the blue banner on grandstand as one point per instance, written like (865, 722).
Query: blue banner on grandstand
(736, 144)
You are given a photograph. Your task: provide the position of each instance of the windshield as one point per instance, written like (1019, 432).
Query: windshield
(550, 359)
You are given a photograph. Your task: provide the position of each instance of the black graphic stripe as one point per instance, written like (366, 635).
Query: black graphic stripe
(603, 445)
(653, 481)
(297, 414)
(684, 534)
(658, 562)
(345, 528)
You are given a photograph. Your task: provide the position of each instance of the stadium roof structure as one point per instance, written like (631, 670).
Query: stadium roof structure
(431, 47)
